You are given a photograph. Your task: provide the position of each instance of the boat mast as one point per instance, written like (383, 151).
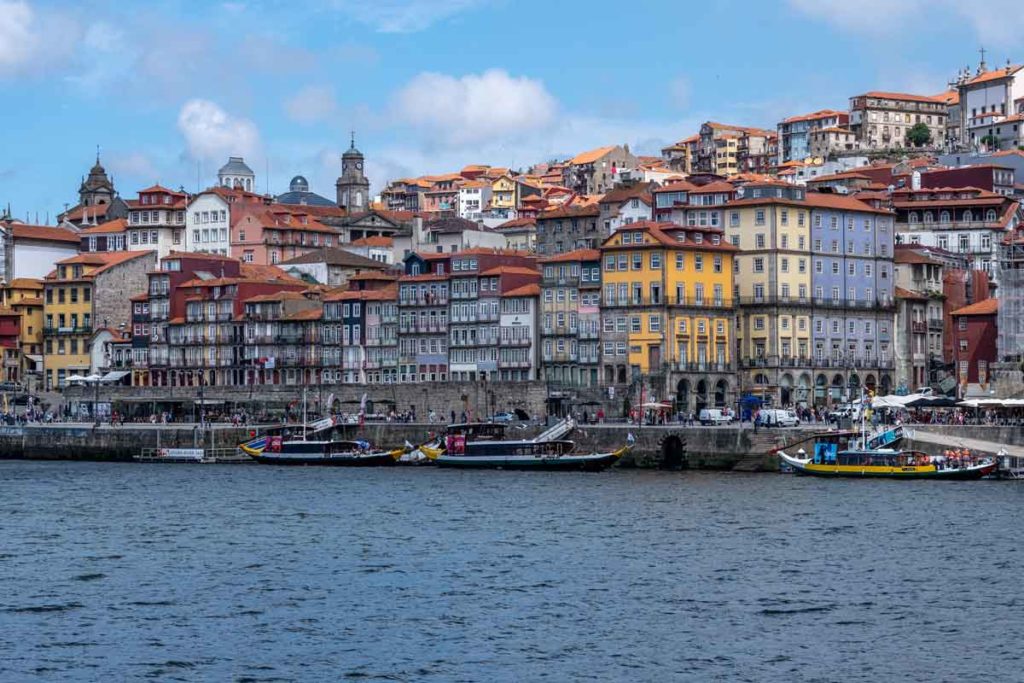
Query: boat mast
(304, 413)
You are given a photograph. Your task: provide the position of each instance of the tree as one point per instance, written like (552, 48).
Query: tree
(919, 135)
(990, 141)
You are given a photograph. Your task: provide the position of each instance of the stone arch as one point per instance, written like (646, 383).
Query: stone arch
(673, 452)
(836, 391)
(683, 395)
(702, 395)
(721, 391)
(885, 386)
(869, 382)
(786, 389)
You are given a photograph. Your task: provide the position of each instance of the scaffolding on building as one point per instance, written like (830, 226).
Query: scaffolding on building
(1010, 317)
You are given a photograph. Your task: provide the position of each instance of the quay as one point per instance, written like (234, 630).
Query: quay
(737, 448)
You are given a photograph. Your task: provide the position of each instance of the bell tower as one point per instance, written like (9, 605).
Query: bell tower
(353, 188)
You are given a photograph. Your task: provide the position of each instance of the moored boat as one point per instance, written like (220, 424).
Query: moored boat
(274, 450)
(483, 446)
(887, 463)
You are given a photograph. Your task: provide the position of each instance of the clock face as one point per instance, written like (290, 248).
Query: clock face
(359, 166)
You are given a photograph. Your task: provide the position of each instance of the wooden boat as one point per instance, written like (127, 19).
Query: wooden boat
(482, 445)
(274, 450)
(886, 463)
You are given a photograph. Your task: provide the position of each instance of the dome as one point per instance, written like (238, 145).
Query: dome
(298, 184)
(235, 166)
(352, 152)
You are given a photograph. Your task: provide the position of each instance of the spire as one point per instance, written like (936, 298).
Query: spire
(97, 155)
(353, 145)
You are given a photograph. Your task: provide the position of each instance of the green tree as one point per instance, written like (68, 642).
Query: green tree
(990, 141)
(919, 135)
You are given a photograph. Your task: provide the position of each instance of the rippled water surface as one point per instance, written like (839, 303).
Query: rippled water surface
(125, 572)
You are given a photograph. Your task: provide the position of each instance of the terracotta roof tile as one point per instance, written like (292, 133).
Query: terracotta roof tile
(984, 307)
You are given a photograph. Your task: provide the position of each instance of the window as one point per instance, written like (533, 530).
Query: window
(655, 260)
(759, 217)
(759, 264)
(759, 240)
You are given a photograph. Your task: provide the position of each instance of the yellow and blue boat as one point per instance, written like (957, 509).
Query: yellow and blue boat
(827, 461)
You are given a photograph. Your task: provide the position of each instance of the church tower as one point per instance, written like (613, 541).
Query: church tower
(96, 189)
(353, 187)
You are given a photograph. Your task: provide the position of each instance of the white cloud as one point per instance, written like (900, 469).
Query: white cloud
(212, 133)
(29, 39)
(475, 108)
(19, 39)
(994, 22)
(312, 104)
(404, 16)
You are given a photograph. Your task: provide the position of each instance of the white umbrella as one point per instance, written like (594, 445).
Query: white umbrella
(75, 378)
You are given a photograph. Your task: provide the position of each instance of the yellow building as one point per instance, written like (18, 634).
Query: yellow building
(72, 311)
(25, 296)
(667, 312)
(771, 226)
(503, 193)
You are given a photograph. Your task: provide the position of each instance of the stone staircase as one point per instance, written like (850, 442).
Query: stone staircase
(759, 457)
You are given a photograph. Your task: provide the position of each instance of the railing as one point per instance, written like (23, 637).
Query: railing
(517, 341)
(694, 302)
(417, 327)
(513, 363)
(918, 327)
(935, 324)
(423, 300)
(67, 330)
(699, 366)
(841, 363)
(816, 302)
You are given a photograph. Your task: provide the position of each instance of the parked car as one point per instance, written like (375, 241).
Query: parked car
(779, 418)
(714, 416)
(506, 418)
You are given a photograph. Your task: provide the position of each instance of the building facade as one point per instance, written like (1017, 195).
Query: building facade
(570, 314)
(667, 313)
(881, 120)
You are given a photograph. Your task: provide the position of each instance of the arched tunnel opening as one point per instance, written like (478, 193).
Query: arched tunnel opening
(673, 453)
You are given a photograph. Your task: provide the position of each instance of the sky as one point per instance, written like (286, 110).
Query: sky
(169, 89)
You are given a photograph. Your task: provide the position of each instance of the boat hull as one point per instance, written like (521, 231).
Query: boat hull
(336, 460)
(584, 463)
(887, 472)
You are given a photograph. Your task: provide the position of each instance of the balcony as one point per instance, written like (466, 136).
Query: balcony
(589, 334)
(691, 302)
(61, 331)
(519, 341)
(513, 363)
(423, 300)
(918, 327)
(935, 324)
(417, 327)
(699, 366)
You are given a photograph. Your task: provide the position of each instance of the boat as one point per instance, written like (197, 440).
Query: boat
(483, 445)
(279, 450)
(1010, 466)
(886, 463)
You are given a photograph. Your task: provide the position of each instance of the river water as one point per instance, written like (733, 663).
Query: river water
(164, 572)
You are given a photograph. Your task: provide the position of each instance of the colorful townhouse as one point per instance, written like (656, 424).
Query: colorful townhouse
(570, 318)
(24, 299)
(814, 285)
(667, 312)
(423, 296)
(81, 295)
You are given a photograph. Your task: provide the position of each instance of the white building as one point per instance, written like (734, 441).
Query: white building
(518, 345)
(988, 98)
(31, 250)
(156, 221)
(208, 222)
(474, 196)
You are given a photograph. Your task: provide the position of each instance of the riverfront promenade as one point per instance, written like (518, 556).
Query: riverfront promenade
(731, 447)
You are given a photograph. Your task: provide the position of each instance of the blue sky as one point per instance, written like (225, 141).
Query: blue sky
(170, 89)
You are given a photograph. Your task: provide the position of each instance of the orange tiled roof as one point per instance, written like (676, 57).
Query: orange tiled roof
(532, 289)
(995, 74)
(592, 155)
(815, 115)
(43, 232)
(984, 307)
(906, 97)
(117, 225)
(576, 255)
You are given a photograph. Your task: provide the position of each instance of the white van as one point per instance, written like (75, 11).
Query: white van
(714, 416)
(779, 418)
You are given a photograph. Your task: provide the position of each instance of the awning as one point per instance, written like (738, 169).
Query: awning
(115, 376)
(34, 358)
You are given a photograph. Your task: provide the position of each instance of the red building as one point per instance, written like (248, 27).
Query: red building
(10, 343)
(990, 177)
(975, 331)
